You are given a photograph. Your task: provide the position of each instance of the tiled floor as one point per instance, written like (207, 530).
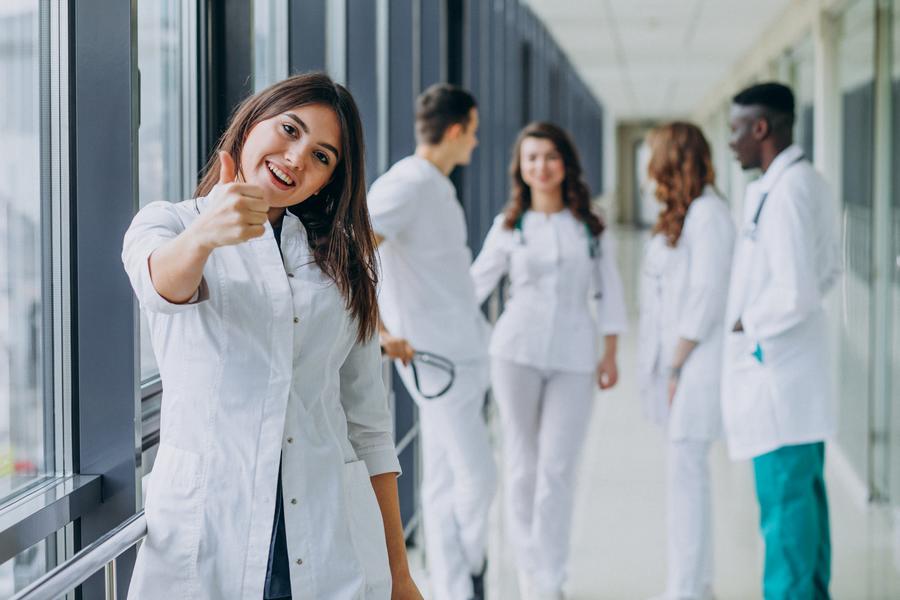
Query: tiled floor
(618, 545)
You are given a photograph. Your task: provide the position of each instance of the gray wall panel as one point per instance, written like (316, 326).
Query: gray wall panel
(102, 194)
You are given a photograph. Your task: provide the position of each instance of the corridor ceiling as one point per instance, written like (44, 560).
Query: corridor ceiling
(656, 58)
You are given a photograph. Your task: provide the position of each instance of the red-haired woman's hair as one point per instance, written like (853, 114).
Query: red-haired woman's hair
(681, 165)
(575, 193)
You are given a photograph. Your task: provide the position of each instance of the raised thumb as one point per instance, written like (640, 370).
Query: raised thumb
(226, 167)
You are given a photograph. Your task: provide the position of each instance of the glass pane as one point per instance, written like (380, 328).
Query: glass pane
(804, 87)
(895, 143)
(856, 52)
(270, 42)
(162, 129)
(22, 414)
(24, 569)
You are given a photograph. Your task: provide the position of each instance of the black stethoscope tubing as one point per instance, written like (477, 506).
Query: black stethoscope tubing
(434, 360)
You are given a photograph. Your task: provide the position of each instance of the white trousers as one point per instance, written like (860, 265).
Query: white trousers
(545, 416)
(458, 478)
(689, 519)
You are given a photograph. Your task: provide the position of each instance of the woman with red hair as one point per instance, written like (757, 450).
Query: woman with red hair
(684, 287)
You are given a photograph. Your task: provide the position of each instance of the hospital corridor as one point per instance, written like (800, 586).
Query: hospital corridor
(450, 299)
(618, 548)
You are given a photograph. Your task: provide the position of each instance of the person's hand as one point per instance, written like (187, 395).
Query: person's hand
(237, 211)
(404, 588)
(397, 348)
(607, 372)
(673, 387)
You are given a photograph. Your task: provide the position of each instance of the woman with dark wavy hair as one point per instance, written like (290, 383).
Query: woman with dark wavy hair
(544, 351)
(684, 285)
(276, 470)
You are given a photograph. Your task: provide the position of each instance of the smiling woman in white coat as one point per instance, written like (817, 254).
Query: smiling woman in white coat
(544, 351)
(276, 471)
(683, 293)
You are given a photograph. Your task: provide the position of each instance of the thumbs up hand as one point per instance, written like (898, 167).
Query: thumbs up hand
(237, 211)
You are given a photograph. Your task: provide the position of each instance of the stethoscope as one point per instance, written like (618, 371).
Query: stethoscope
(751, 229)
(593, 240)
(437, 361)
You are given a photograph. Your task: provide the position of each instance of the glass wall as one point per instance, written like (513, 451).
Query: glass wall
(803, 67)
(23, 409)
(856, 66)
(165, 119)
(21, 571)
(270, 42)
(894, 463)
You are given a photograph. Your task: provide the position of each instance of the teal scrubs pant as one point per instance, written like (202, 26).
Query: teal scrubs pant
(793, 507)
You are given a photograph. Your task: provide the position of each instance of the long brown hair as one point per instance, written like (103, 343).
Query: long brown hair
(337, 219)
(575, 193)
(681, 165)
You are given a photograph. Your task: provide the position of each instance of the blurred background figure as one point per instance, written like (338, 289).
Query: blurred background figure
(544, 351)
(777, 401)
(684, 283)
(427, 302)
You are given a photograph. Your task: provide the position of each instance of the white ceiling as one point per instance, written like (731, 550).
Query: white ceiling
(655, 58)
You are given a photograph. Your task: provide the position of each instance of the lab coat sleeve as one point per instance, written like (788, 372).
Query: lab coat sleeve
(153, 226)
(788, 241)
(610, 301)
(369, 419)
(393, 206)
(710, 239)
(492, 262)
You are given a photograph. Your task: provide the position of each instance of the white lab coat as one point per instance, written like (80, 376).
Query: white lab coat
(426, 294)
(778, 279)
(263, 365)
(427, 297)
(683, 292)
(547, 322)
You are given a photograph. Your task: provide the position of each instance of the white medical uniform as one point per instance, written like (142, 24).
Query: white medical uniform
(544, 353)
(781, 272)
(683, 294)
(262, 366)
(426, 296)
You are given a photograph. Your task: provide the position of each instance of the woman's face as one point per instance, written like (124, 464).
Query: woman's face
(541, 164)
(292, 155)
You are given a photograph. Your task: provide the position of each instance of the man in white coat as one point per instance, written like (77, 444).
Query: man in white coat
(776, 397)
(427, 302)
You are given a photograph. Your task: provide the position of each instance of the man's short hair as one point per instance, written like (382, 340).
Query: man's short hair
(439, 107)
(775, 98)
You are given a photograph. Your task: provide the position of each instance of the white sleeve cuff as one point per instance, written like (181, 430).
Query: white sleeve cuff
(380, 460)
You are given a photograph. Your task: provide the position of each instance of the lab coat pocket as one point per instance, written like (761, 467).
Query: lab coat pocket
(174, 516)
(367, 530)
(748, 390)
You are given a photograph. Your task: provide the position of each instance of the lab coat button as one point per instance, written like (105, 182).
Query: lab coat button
(296, 319)
(290, 274)
(290, 440)
(293, 501)
(299, 561)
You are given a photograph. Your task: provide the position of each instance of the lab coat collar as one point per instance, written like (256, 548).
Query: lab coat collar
(784, 159)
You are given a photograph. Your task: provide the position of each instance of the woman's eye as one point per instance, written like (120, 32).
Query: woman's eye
(289, 129)
(321, 157)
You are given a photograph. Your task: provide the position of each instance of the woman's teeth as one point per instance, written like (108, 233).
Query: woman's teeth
(281, 175)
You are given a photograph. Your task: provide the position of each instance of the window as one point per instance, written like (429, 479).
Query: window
(25, 449)
(25, 568)
(166, 137)
(270, 42)
(856, 44)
